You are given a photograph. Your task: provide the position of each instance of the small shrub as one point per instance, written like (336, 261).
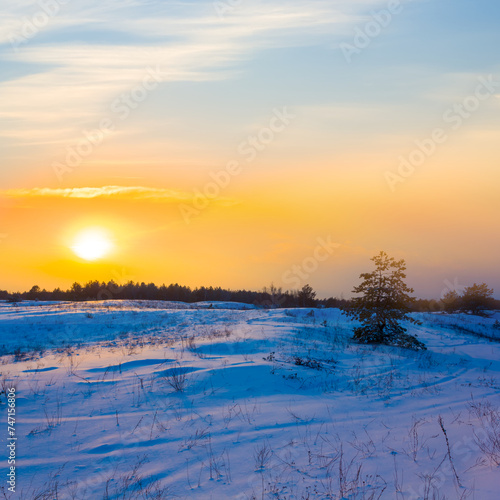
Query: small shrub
(19, 355)
(310, 363)
(176, 378)
(271, 357)
(488, 440)
(262, 455)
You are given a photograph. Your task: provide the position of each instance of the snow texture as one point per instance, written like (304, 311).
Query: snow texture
(153, 400)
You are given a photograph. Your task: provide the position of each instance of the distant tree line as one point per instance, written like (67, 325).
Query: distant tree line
(270, 297)
(475, 299)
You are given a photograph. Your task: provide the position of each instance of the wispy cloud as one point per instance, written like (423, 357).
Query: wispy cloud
(123, 193)
(116, 192)
(74, 83)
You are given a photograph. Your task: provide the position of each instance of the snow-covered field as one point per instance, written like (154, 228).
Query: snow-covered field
(154, 400)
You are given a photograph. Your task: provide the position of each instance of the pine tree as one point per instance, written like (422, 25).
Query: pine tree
(307, 296)
(477, 299)
(451, 301)
(385, 303)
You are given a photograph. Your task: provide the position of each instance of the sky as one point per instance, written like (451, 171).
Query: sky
(237, 143)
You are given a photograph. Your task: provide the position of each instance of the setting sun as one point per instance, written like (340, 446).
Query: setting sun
(92, 244)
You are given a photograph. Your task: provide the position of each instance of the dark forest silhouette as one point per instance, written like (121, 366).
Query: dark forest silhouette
(96, 290)
(269, 297)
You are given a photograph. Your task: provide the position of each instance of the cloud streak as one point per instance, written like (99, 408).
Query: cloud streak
(69, 86)
(112, 192)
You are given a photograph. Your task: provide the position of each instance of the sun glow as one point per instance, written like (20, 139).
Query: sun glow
(92, 244)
